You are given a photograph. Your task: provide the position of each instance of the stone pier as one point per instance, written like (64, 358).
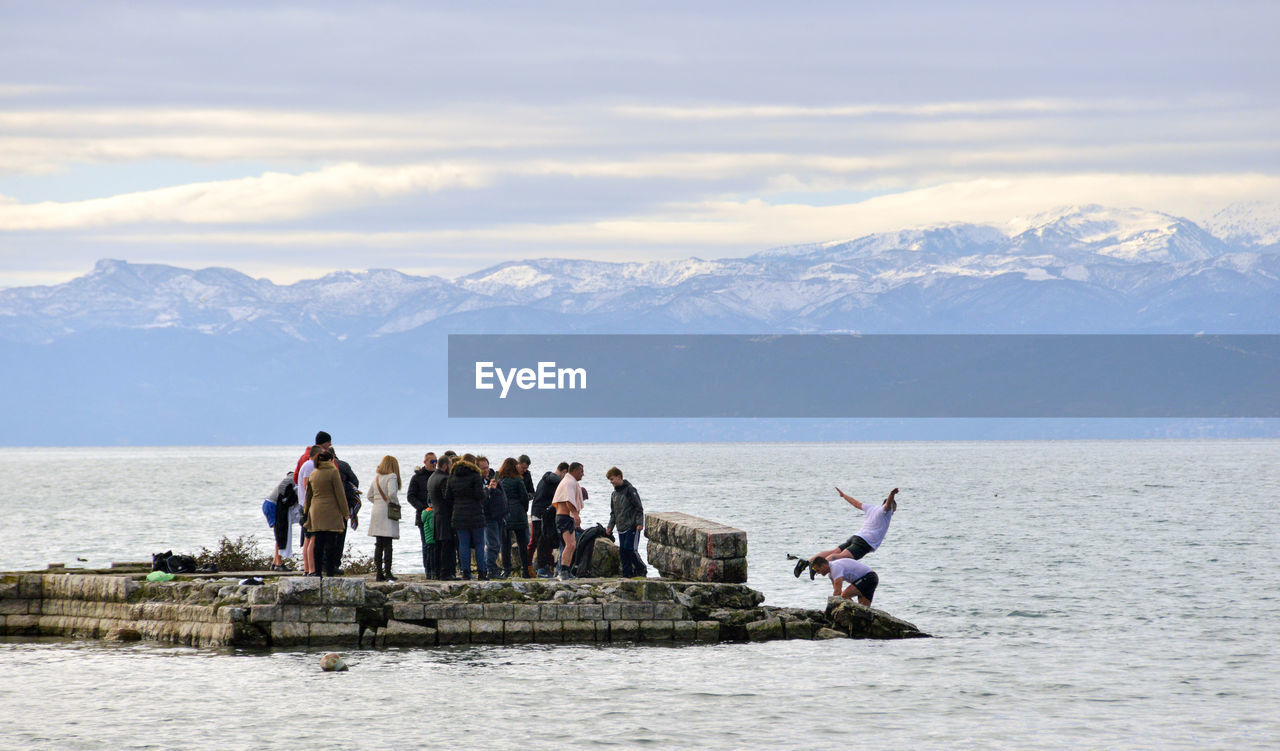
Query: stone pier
(295, 611)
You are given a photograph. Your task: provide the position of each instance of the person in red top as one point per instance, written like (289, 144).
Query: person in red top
(325, 442)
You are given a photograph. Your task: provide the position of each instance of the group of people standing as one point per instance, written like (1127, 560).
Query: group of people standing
(462, 508)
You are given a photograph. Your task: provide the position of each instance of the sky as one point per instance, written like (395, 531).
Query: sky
(289, 141)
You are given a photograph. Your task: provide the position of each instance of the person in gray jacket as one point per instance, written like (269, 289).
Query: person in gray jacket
(627, 514)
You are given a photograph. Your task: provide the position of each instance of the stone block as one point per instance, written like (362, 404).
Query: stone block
(798, 629)
(612, 611)
(434, 611)
(862, 622)
(668, 611)
(656, 630)
(288, 633)
(14, 607)
(591, 611)
(549, 611)
(333, 634)
(828, 633)
(264, 613)
(31, 586)
(313, 614)
(468, 611)
(300, 590)
(526, 611)
(9, 586)
(264, 595)
(709, 631)
(409, 611)
(635, 611)
(678, 564)
(486, 632)
(399, 634)
(696, 535)
(605, 558)
(547, 632)
(341, 590)
(233, 615)
(684, 630)
(453, 632)
(622, 630)
(579, 631)
(517, 632)
(765, 630)
(602, 630)
(22, 625)
(340, 614)
(499, 611)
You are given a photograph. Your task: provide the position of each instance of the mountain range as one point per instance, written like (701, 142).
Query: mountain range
(168, 352)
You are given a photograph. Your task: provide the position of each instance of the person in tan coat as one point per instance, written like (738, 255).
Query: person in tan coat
(326, 512)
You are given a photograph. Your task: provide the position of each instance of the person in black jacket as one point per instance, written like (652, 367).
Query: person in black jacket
(466, 492)
(513, 486)
(446, 542)
(420, 500)
(351, 485)
(543, 537)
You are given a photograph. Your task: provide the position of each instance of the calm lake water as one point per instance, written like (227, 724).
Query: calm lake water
(1087, 595)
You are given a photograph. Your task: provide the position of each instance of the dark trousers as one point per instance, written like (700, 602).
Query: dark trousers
(547, 542)
(382, 558)
(521, 533)
(446, 548)
(328, 552)
(430, 557)
(428, 553)
(630, 557)
(470, 540)
(495, 533)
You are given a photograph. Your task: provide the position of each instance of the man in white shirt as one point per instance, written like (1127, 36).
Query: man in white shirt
(849, 578)
(568, 505)
(874, 527)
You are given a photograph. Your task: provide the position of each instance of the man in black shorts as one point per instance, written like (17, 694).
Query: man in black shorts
(857, 578)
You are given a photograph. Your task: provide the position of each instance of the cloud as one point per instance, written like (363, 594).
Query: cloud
(269, 197)
(925, 109)
(732, 226)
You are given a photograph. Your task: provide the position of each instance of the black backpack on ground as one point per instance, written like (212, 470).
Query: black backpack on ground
(586, 547)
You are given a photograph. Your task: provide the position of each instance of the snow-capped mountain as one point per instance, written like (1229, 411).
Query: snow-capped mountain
(1248, 224)
(146, 354)
(1079, 269)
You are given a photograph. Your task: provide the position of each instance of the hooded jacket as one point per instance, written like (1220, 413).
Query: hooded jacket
(436, 486)
(625, 510)
(465, 491)
(543, 495)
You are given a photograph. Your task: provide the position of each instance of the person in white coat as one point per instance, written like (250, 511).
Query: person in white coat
(384, 515)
